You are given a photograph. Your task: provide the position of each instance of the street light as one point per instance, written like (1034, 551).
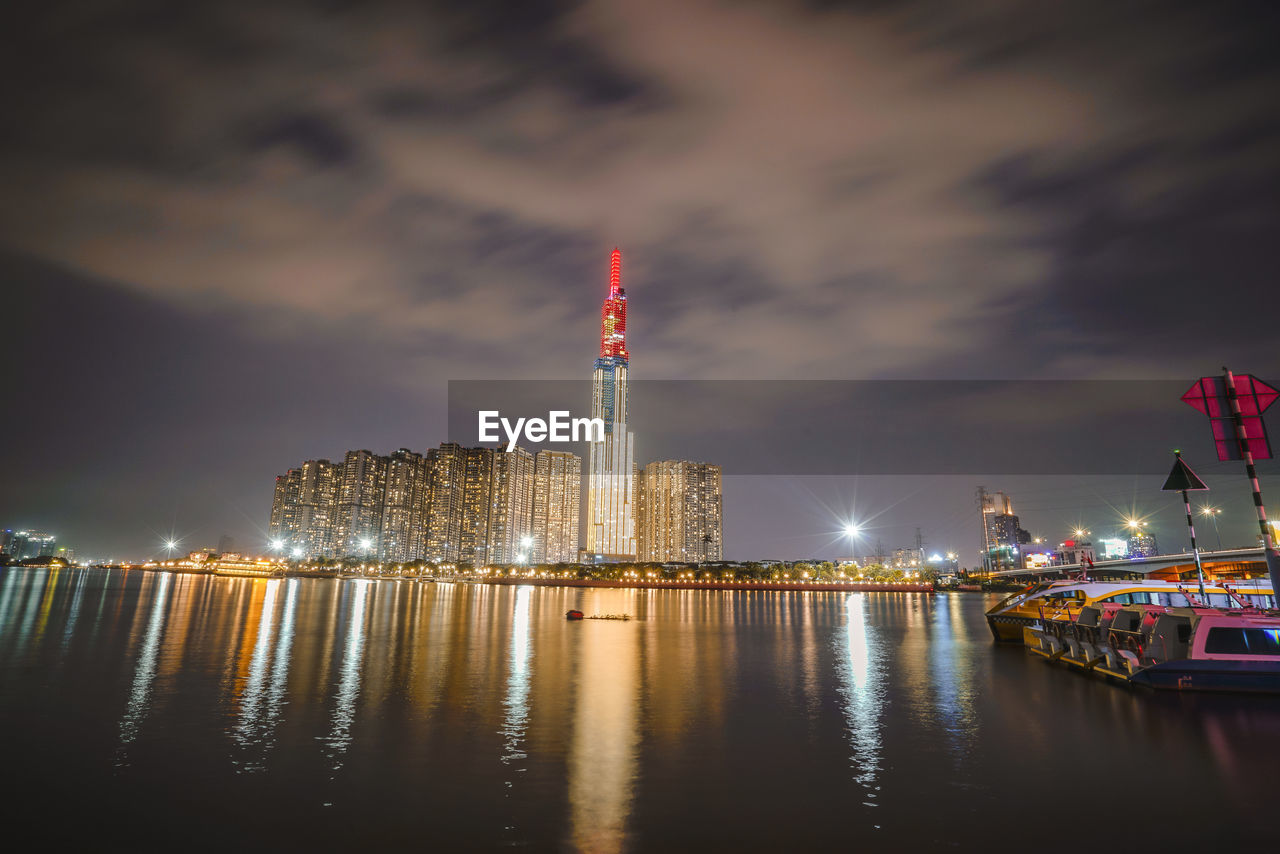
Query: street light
(170, 546)
(1213, 513)
(277, 545)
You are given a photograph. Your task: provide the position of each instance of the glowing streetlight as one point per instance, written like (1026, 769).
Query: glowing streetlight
(365, 545)
(277, 545)
(1213, 513)
(170, 546)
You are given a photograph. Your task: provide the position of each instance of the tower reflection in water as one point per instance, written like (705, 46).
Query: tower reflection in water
(861, 684)
(516, 703)
(344, 712)
(140, 694)
(602, 755)
(263, 696)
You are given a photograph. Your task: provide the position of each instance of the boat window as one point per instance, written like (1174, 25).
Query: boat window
(1219, 600)
(1163, 599)
(1122, 598)
(1141, 598)
(1233, 640)
(1177, 600)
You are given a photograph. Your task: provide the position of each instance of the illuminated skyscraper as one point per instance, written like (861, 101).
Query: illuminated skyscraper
(358, 528)
(447, 465)
(318, 494)
(557, 492)
(511, 514)
(286, 509)
(405, 505)
(477, 505)
(680, 512)
(611, 533)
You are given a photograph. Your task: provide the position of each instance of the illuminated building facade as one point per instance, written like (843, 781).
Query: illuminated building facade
(358, 527)
(557, 497)
(611, 529)
(404, 507)
(1142, 544)
(1002, 533)
(477, 505)
(680, 512)
(447, 465)
(318, 500)
(511, 513)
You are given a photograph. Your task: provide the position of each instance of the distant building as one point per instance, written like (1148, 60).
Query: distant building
(1075, 552)
(362, 490)
(611, 486)
(317, 502)
(444, 502)
(680, 512)
(1142, 544)
(404, 506)
(24, 545)
(557, 491)
(1114, 548)
(1002, 532)
(510, 532)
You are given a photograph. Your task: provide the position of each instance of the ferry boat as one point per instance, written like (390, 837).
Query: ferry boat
(1063, 600)
(1196, 648)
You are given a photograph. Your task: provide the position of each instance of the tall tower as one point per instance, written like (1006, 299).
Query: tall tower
(611, 524)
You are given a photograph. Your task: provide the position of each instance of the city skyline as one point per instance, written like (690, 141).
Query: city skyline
(226, 254)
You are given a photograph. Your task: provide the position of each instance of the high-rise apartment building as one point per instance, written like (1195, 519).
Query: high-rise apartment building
(286, 509)
(511, 512)
(680, 512)
(557, 495)
(358, 527)
(611, 491)
(404, 506)
(443, 537)
(477, 505)
(318, 501)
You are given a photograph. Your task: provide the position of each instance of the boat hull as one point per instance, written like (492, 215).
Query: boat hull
(1250, 677)
(1007, 628)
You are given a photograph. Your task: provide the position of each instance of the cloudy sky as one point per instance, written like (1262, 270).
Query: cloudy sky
(235, 236)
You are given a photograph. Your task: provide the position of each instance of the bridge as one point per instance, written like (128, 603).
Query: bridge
(1231, 563)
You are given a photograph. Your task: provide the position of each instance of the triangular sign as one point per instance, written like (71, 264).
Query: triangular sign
(1182, 477)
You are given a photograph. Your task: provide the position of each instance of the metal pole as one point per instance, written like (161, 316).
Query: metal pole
(1195, 552)
(1268, 548)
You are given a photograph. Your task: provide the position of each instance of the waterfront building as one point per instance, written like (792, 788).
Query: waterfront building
(447, 465)
(318, 499)
(557, 493)
(286, 509)
(404, 506)
(511, 510)
(611, 487)
(358, 526)
(680, 512)
(477, 505)
(23, 545)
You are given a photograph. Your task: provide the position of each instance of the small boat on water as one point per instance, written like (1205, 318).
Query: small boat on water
(1065, 599)
(1196, 648)
(578, 615)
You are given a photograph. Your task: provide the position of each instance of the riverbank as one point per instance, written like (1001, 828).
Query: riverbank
(850, 586)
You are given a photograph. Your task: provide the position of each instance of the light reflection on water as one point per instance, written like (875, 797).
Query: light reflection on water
(140, 695)
(477, 717)
(344, 712)
(862, 686)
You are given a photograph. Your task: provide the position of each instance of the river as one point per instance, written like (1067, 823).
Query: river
(161, 710)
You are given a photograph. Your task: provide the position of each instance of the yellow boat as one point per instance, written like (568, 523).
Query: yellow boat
(1063, 599)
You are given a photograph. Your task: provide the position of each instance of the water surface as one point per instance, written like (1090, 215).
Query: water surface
(159, 711)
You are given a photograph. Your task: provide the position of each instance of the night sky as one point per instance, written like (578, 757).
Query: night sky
(234, 236)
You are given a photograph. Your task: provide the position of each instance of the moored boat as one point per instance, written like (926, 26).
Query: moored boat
(1063, 600)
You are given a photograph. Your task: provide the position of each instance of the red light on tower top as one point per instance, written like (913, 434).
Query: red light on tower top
(613, 314)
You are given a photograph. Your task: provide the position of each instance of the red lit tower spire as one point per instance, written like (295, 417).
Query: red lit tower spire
(613, 315)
